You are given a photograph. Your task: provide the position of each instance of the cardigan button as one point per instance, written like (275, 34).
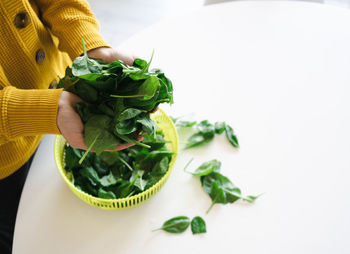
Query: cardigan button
(21, 20)
(40, 56)
(53, 85)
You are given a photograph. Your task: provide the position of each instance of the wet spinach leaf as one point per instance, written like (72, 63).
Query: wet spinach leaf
(231, 136)
(182, 123)
(220, 189)
(85, 67)
(176, 225)
(147, 124)
(251, 198)
(198, 225)
(220, 127)
(199, 139)
(105, 194)
(129, 113)
(206, 168)
(97, 134)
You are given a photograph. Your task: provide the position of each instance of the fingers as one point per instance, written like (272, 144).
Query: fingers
(139, 137)
(109, 55)
(78, 142)
(127, 58)
(123, 146)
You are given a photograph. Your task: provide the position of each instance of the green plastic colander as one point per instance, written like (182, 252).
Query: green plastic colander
(166, 125)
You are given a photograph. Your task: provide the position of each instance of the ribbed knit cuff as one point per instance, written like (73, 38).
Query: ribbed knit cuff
(91, 36)
(29, 112)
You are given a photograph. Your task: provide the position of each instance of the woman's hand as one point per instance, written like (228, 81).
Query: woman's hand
(110, 55)
(69, 122)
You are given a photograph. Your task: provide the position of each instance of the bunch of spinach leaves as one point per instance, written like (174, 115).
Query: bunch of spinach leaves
(206, 132)
(219, 188)
(119, 174)
(117, 99)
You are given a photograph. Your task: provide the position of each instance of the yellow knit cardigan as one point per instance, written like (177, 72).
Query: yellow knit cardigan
(28, 108)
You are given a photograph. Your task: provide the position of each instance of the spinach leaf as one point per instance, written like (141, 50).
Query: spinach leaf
(105, 194)
(129, 113)
(205, 135)
(206, 127)
(83, 111)
(109, 157)
(71, 160)
(167, 87)
(182, 123)
(206, 168)
(219, 127)
(146, 91)
(98, 126)
(155, 141)
(251, 198)
(139, 182)
(199, 139)
(217, 195)
(231, 136)
(90, 174)
(98, 164)
(176, 225)
(104, 108)
(87, 92)
(161, 166)
(131, 141)
(85, 67)
(68, 80)
(108, 180)
(198, 225)
(140, 63)
(126, 126)
(147, 124)
(220, 189)
(149, 87)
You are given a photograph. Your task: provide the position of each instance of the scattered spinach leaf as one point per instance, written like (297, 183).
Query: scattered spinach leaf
(206, 168)
(176, 225)
(220, 189)
(199, 139)
(219, 127)
(198, 225)
(251, 198)
(231, 136)
(182, 123)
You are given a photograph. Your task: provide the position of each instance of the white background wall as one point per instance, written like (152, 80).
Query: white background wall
(120, 19)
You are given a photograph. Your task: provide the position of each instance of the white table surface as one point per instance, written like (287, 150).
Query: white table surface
(279, 73)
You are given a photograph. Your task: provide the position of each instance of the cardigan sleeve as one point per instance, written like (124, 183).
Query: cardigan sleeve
(27, 112)
(70, 21)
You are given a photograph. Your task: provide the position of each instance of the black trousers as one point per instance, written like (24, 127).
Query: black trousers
(10, 193)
